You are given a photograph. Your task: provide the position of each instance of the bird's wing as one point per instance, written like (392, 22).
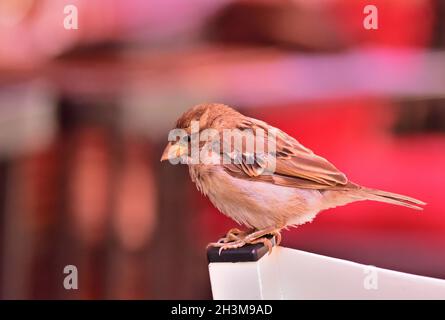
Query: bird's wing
(295, 165)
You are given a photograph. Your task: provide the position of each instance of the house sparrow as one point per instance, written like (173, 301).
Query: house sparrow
(300, 184)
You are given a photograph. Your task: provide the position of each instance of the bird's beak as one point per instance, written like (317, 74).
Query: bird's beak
(173, 151)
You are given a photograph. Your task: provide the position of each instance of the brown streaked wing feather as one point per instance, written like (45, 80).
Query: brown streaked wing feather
(296, 166)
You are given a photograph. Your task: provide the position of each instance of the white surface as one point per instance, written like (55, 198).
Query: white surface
(295, 274)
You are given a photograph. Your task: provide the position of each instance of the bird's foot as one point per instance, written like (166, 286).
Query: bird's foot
(236, 238)
(234, 234)
(242, 242)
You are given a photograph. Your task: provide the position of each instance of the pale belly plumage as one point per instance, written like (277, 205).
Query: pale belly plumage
(256, 204)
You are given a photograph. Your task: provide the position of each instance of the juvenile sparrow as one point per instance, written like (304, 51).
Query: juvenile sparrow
(299, 185)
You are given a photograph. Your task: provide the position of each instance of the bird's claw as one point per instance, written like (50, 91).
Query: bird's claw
(236, 238)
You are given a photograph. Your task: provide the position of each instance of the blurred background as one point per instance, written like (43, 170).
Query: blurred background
(84, 117)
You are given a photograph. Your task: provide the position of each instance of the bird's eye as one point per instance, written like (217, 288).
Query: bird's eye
(186, 138)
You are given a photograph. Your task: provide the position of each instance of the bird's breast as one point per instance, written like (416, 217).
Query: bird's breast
(253, 203)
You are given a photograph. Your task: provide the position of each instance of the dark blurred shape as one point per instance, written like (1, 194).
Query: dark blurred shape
(291, 25)
(421, 116)
(75, 112)
(439, 25)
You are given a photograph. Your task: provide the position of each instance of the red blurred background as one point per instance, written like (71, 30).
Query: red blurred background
(85, 115)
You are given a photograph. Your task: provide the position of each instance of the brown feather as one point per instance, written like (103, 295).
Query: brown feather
(296, 165)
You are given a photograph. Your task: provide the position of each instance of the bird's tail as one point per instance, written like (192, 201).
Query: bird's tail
(393, 198)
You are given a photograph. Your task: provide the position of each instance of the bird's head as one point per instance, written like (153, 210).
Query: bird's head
(193, 123)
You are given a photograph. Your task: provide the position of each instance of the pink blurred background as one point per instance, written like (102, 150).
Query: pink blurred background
(85, 115)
